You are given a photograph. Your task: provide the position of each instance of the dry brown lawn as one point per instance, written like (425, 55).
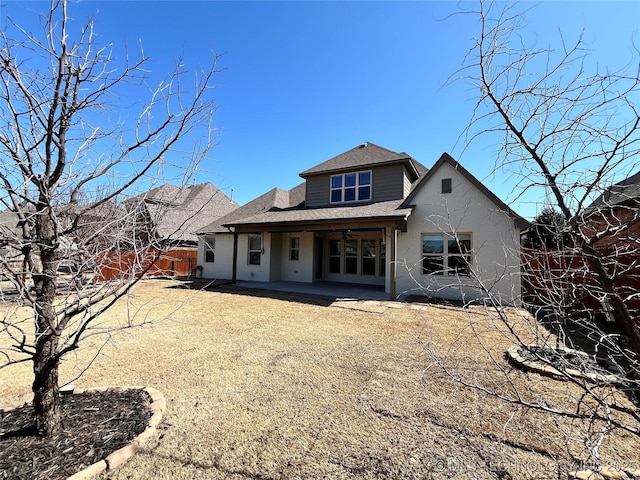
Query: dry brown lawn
(268, 386)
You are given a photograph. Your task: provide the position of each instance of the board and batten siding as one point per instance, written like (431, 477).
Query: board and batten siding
(387, 183)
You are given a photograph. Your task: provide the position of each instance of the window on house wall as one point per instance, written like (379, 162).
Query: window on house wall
(446, 185)
(255, 249)
(446, 254)
(368, 257)
(351, 187)
(335, 250)
(351, 256)
(209, 249)
(294, 248)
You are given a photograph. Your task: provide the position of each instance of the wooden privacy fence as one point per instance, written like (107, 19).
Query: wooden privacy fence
(128, 263)
(563, 278)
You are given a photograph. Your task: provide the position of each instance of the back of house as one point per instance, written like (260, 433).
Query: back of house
(373, 216)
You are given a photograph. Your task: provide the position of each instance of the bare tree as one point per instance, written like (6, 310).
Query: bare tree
(568, 130)
(571, 130)
(73, 147)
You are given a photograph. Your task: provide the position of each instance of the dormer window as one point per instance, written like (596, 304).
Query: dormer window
(351, 187)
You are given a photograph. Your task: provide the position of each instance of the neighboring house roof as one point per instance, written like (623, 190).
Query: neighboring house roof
(168, 195)
(520, 222)
(178, 212)
(366, 155)
(8, 225)
(628, 190)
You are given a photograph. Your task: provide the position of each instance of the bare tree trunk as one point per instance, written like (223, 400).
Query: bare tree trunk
(66, 199)
(46, 399)
(46, 394)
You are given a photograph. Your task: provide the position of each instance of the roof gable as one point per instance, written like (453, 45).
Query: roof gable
(365, 155)
(520, 222)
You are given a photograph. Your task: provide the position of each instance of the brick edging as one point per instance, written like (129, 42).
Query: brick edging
(117, 458)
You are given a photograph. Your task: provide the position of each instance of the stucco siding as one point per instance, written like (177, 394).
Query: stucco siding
(258, 273)
(222, 266)
(494, 241)
(275, 258)
(300, 270)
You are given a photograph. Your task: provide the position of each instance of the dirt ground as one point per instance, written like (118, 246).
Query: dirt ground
(260, 385)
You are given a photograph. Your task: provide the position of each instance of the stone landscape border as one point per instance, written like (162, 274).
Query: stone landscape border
(542, 368)
(117, 458)
(606, 472)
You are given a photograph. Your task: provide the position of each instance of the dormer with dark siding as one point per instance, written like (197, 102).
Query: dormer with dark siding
(391, 177)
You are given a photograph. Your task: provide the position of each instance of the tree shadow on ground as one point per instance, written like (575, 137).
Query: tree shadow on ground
(590, 332)
(226, 286)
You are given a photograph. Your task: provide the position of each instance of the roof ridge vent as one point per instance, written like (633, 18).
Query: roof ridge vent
(364, 145)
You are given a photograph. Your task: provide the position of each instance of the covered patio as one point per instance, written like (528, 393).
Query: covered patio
(334, 290)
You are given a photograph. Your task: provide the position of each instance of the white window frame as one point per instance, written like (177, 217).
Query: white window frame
(209, 247)
(254, 250)
(342, 188)
(446, 270)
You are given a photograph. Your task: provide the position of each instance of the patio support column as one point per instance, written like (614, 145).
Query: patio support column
(392, 264)
(235, 257)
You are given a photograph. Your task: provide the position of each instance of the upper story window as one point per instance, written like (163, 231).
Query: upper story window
(351, 187)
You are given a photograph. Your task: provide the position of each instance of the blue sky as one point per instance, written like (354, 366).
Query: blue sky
(305, 81)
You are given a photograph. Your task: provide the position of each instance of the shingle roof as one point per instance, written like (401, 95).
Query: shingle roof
(392, 209)
(278, 206)
(622, 192)
(274, 198)
(178, 212)
(168, 195)
(365, 155)
(8, 225)
(297, 195)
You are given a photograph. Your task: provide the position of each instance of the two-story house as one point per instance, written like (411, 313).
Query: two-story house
(377, 217)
